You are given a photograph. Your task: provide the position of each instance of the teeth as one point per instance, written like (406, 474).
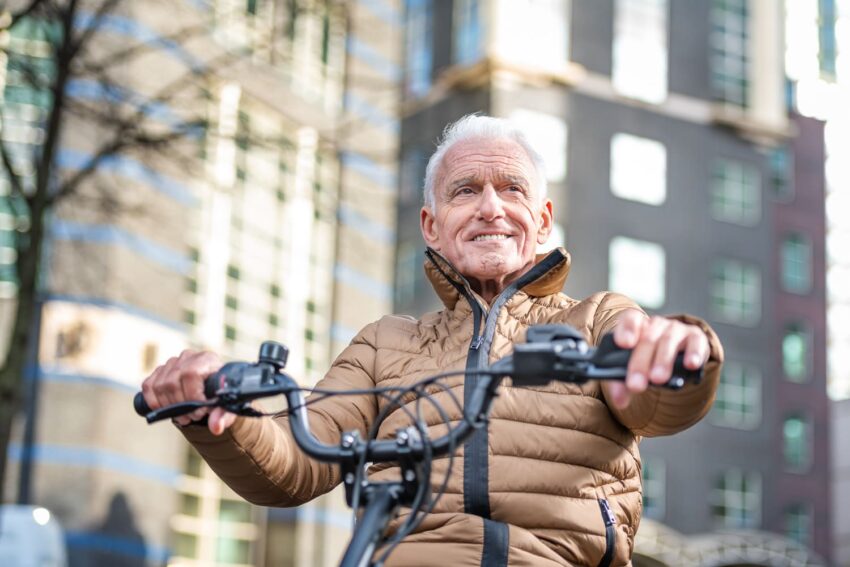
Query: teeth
(481, 237)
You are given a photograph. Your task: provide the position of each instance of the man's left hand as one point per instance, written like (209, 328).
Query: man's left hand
(655, 342)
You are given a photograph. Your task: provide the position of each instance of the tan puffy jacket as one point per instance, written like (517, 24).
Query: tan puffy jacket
(531, 488)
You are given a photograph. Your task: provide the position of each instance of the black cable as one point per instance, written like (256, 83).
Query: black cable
(416, 514)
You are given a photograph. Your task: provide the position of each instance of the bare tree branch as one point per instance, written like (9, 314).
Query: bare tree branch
(9, 21)
(14, 178)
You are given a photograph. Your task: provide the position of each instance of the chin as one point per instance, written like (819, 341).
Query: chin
(494, 265)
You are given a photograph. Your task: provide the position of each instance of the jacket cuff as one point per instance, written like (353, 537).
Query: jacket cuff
(659, 411)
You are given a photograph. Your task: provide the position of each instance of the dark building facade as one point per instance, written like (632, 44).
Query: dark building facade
(665, 129)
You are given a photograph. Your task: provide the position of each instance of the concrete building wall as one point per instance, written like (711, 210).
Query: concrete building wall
(840, 425)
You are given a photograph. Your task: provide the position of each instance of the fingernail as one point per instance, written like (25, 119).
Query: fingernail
(636, 380)
(695, 360)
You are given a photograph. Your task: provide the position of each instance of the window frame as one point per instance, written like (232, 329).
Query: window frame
(744, 318)
(750, 415)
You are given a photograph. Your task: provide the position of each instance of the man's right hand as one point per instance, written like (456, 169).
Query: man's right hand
(181, 379)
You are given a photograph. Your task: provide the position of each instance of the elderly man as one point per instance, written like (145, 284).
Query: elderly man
(535, 487)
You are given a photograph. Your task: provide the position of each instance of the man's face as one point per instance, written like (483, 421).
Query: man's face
(489, 217)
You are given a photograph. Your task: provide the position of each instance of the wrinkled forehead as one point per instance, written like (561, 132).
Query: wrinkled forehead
(485, 159)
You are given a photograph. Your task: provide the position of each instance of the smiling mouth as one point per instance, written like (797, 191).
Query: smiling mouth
(485, 237)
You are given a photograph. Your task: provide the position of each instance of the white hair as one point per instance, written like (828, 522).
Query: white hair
(473, 126)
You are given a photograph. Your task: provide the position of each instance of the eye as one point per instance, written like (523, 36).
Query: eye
(464, 191)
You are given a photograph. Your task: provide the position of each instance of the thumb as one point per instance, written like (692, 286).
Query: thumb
(618, 394)
(220, 419)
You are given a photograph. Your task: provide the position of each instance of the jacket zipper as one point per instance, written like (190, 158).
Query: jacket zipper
(610, 532)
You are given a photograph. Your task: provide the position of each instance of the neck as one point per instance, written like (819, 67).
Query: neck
(488, 289)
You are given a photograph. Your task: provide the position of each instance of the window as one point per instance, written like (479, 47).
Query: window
(654, 487)
(796, 443)
(738, 401)
(638, 169)
(467, 33)
(211, 525)
(639, 67)
(548, 134)
(729, 51)
(408, 265)
(412, 176)
(418, 57)
(736, 292)
(780, 165)
(796, 261)
(736, 500)
(637, 268)
(798, 524)
(826, 38)
(736, 193)
(796, 361)
(532, 33)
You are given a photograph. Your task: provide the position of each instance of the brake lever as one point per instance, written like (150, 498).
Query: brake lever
(177, 410)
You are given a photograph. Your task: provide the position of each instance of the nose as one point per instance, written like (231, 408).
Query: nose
(490, 206)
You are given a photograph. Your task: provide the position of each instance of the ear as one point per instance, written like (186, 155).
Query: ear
(545, 221)
(428, 226)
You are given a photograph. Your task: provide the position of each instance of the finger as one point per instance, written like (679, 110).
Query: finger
(220, 419)
(149, 391)
(697, 349)
(637, 377)
(619, 395)
(669, 345)
(168, 389)
(629, 327)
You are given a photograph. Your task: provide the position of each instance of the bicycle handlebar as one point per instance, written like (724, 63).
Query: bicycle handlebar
(553, 352)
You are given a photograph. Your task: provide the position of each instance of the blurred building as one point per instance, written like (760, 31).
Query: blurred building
(261, 234)
(681, 178)
(841, 477)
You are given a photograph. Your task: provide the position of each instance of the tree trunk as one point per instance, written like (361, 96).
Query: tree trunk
(23, 335)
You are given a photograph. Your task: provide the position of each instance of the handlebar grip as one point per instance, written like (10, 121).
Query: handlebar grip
(140, 405)
(211, 385)
(609, 355)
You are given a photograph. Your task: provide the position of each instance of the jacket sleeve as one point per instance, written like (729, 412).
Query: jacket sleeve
(258, 457)
(659, 411)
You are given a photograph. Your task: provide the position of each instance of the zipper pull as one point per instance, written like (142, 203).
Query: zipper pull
(476, 343)
(607, 514)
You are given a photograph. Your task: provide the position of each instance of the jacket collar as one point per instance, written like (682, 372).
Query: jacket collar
(546, 277)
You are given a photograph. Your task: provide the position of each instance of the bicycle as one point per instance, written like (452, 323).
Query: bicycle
(552, 352)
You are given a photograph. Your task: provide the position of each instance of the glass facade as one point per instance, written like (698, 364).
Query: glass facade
(797, 442)
(796, 263)
(639, 67)
(780, 165)
(419, 48)
(736, 193)
(738, 402)
(796, 353)
(212, 525)
(653, 477)
(736, 292)
(637, 268)
(729, 51)
(638, 169)
(798, 524)
(467, 36)
(532, 33)
(736, 500)
(303, 42)
(27, 78)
